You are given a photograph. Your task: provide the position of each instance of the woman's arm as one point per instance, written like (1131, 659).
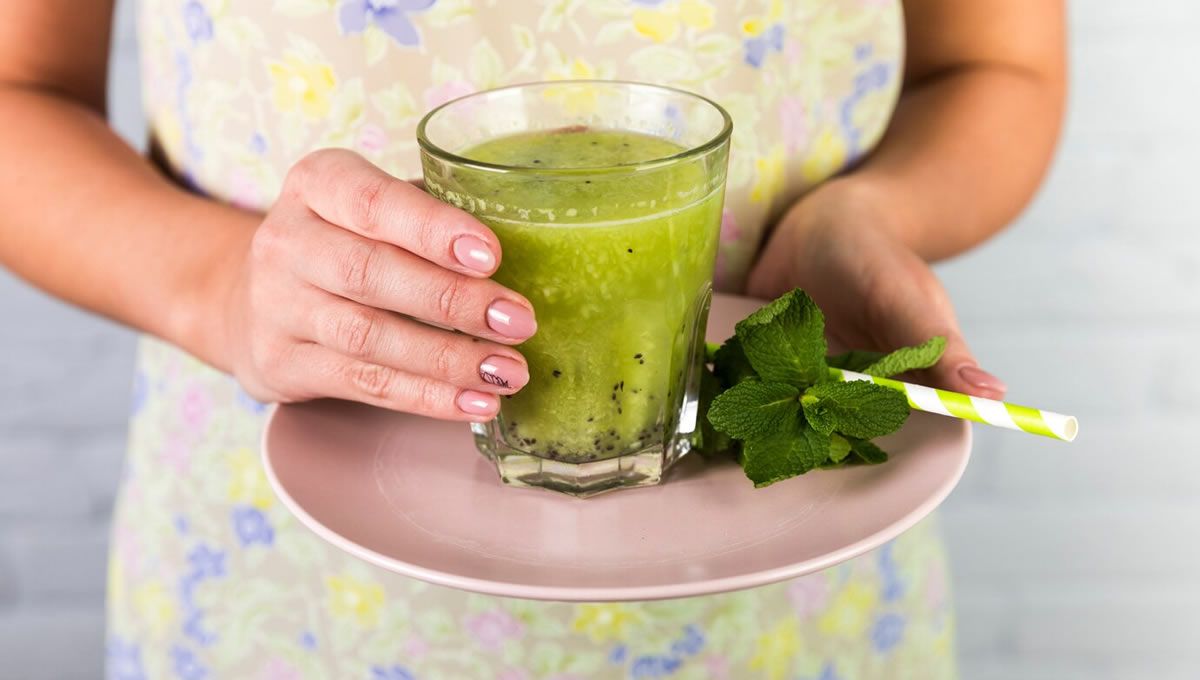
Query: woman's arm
(976, 124)
(973, 133)
(324, 296)
(82, 215)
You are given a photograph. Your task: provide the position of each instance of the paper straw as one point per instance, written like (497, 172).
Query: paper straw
(978, 409)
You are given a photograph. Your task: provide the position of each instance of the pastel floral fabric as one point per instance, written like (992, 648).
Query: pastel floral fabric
(210, 577)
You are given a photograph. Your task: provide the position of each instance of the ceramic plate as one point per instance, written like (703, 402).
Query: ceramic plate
(413, 496)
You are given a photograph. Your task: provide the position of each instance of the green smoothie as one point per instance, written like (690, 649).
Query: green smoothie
(618, 266)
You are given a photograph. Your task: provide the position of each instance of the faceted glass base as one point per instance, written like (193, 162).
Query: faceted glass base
(517, 468)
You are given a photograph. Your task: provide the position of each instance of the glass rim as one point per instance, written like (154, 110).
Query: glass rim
(711, 144)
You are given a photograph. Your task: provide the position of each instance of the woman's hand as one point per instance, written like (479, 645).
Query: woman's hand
(346, 288)
(840, 244)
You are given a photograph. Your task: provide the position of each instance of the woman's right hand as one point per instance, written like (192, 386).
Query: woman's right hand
(348, 285)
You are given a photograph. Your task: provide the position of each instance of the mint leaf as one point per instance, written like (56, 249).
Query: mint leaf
(862, 409)
(753, 408)
(839, 448)
(907, 359)
(783, 454)
(785, 340)
(730, 363)
(821, 419)
(854, 360)
(867, 452)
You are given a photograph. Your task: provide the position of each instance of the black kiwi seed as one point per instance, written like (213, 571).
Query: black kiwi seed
(557, 373)
(637, 356)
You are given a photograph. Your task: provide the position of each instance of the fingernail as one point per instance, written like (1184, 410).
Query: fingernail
(474, 254)
(504, 372)
(981, 379)
(511, 319)
(477, 403)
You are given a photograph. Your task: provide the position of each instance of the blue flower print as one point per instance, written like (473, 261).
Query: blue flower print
(654, 666)
(251, 526)
(123, 661)
(193, 628)
(206, 562)
(889, 573)
(827, 673)
(199, 24)
(187, 667)
(618, 654)
(181, 524)
(392, 673)
(872, 78)
(757, 47)
(888, 631)
(308, 640)
(690, 644)
(390, 16)
(258, 145)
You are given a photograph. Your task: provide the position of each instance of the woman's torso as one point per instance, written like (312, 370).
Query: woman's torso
(210, 577)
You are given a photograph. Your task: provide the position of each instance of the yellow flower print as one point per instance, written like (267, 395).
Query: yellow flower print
(351, 597)
(155, 607)
(769, 176)
(775, 649)
(574, 99)
(662, 24)
(303, 84)
(576, 69)
(825, 157)
(753, 27)
(604, 621)
(849, 613)
(247, 482)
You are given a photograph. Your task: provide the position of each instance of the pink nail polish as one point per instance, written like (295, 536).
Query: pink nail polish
(503, 372)
(477, 403)
(474, 254)
(511, 319)
(981, 379)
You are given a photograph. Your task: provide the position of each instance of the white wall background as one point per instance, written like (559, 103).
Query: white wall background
(1071, 562)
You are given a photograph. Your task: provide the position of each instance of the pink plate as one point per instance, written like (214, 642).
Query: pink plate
(413, 496)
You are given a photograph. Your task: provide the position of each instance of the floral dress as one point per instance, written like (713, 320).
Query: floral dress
(210, 577)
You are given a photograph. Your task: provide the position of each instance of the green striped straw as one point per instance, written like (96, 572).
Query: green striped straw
(978, 409)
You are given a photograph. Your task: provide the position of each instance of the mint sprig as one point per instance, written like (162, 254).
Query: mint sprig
(771, 399)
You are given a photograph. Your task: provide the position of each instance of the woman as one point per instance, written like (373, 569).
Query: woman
(244, 254)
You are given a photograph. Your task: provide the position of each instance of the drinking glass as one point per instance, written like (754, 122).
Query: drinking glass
(616, 256)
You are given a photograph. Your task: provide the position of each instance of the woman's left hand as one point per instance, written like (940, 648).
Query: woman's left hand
(839, 243)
